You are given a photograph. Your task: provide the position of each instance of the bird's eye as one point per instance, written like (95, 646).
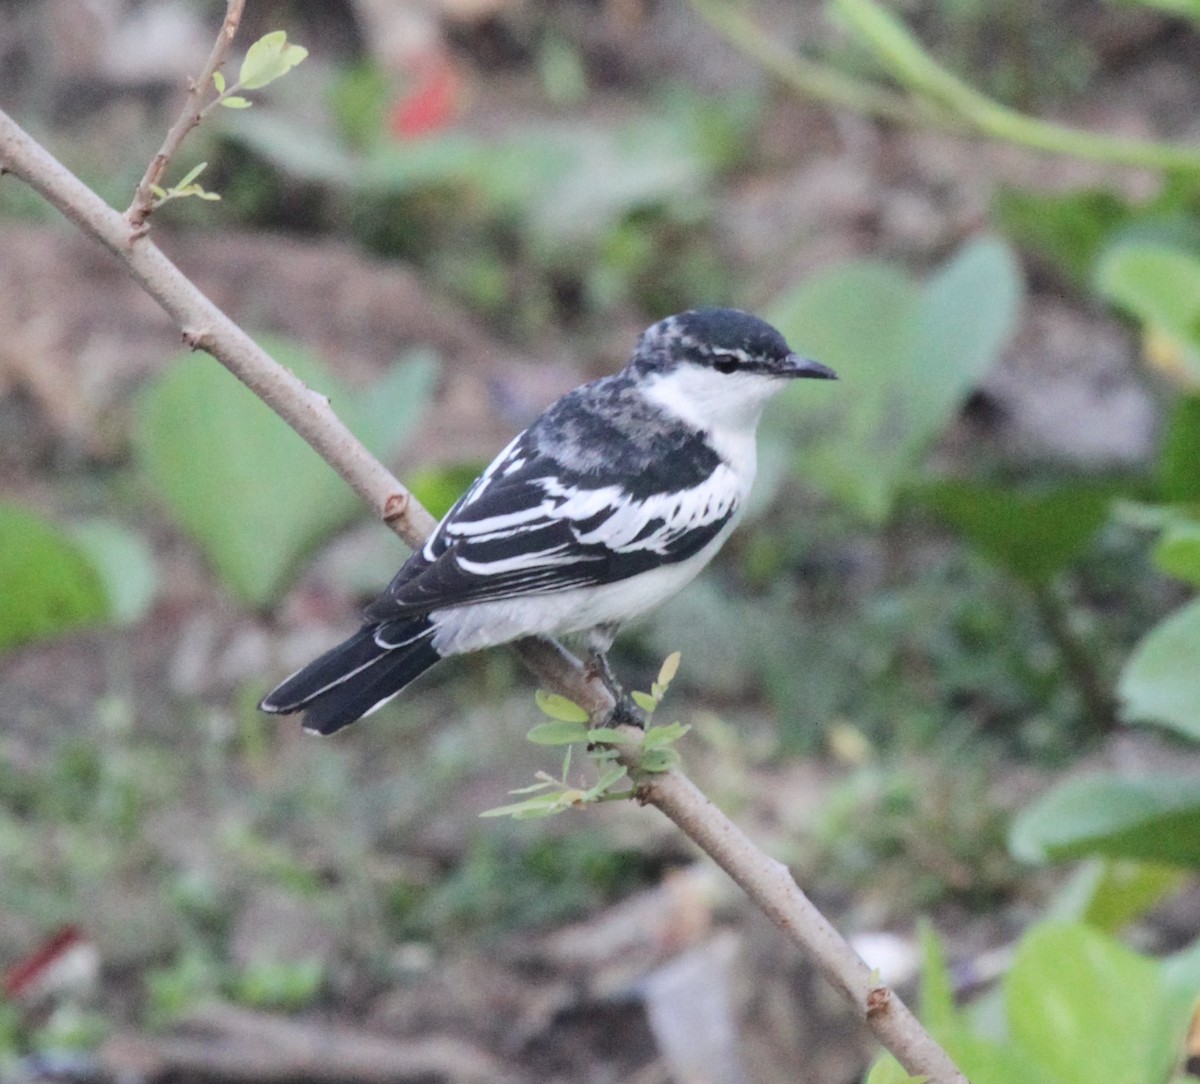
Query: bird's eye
(725, 363)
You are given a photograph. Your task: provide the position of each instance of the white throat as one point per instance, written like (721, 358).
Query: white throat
(726, 406)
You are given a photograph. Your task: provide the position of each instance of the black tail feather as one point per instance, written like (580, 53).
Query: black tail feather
(353, 678)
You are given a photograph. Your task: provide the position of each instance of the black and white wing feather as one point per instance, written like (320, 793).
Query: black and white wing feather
(532, 525)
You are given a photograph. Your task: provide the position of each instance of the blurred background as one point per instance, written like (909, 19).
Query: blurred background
(946, 670)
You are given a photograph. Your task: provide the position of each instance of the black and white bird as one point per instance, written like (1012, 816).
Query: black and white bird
(608, 504)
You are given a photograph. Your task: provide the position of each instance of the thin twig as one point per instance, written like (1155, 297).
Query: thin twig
(144, 199)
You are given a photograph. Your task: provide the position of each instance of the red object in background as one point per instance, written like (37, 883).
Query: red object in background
(64, 961)
(432, 102)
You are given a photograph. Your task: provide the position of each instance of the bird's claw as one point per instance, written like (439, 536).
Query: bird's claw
(626, 713)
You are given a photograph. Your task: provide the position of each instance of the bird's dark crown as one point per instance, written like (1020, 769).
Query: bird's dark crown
(725, 339)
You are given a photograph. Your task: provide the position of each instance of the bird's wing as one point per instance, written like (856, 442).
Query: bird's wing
(524, 529)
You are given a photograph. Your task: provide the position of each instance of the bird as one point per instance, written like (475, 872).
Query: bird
(610, 502)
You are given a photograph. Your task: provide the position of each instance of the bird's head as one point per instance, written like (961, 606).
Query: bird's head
(718, 366)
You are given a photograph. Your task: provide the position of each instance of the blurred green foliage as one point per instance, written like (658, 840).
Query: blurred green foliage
(246, 487)
(1077, 1007)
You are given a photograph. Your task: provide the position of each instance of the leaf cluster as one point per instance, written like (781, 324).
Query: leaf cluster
(653, 753)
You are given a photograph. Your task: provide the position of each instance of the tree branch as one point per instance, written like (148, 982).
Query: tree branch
(191, 115)
(771, 886)
(205, 327)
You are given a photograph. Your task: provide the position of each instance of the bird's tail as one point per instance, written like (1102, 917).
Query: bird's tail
(357, 676)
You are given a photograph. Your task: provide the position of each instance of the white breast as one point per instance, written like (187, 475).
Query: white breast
(487, 624)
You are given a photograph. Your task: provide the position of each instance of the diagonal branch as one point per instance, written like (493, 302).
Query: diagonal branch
(191, 115)
(205, 327)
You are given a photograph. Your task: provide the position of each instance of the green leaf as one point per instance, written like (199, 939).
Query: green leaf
(644, 701)
(192, 174)
(1161, 680)
(658, 760)
(560, 732)
(938, 1012)
(49, 584)
(986, 1061)
(1152, 820)
(605, 735)
(668, 670)
(907, 357)
(245, 486)
(386, 417)
(1033, 533)
(125, 564)
(1108, 894)
(1159, 285)
(1179, 452)
(438, 487)
(269, 58)
(1089, 1009)
(559, 707)
(236, 101)
(657, 737)
(1178, 551)
(541, 805)
(219, 82)
(605, 783)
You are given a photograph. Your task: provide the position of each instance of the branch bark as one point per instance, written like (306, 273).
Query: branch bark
(205, 327)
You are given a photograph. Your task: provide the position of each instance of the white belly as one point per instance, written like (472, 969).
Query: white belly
(487, 624)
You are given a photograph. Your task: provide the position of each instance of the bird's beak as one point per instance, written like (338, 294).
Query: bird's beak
(796, 366)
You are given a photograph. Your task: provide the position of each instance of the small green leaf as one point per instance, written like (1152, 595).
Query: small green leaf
(269, 58)
(1160, 285)
(1108, 894)
(191, 175)
(938, 1012)
(1179, 452)
(541, 805)
(1161, 680)
(659, 736)
(559, 707)
(1178, 551)
(644, 701)
(606, 735)
(560, 732)
(605, 782)
(533, 788)
(236, 101)
(669, 669)
(49, 585)
(194, 190)
(658, 760)
(219, 82)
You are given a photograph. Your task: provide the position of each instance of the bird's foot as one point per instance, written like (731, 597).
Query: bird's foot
(626, 713)
(598, 668)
